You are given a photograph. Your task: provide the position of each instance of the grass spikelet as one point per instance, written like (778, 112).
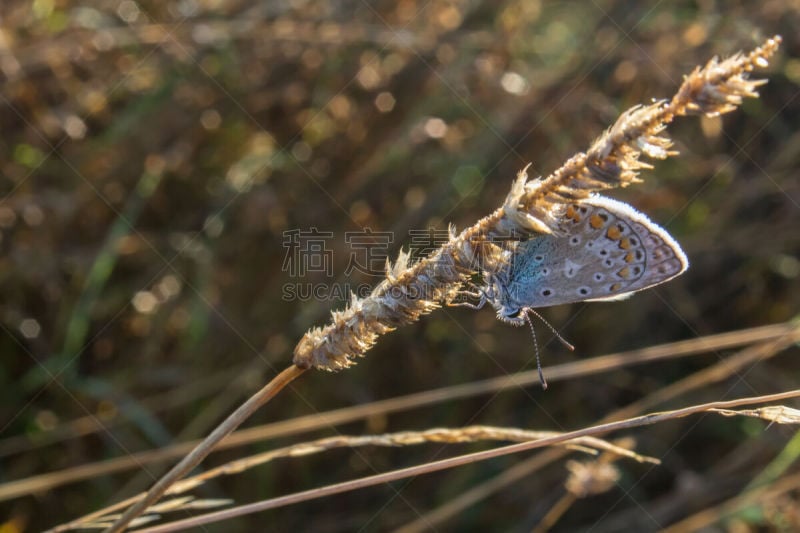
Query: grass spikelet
(613, 160)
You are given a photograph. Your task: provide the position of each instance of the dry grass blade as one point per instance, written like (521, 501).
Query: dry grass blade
(780, 414)
(722, 370)
(209, 443)
(590, 445)
(404, 438)
(395, 475)
(155, 512)
(586, 367)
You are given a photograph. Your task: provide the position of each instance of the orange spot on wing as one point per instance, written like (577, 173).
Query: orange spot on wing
(629, 257)
(613, 233)
(625, 243)
(624, 273)
(595, 221)
(573, 214)
(615, 287)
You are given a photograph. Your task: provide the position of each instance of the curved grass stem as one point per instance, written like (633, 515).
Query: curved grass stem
(207, 446)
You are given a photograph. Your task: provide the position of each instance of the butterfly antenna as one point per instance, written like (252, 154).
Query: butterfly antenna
(535, 345)
(558, 336)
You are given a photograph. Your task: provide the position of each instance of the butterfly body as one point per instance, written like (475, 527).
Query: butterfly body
(604, 250)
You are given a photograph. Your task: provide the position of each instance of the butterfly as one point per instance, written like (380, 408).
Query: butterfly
(606, 250)
(603, 250)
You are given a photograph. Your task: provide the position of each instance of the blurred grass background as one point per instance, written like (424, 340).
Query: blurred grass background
(153, 155)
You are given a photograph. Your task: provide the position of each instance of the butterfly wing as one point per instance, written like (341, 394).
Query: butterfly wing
(606, 251)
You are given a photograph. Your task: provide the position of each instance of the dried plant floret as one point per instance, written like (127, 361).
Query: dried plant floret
(531, 207)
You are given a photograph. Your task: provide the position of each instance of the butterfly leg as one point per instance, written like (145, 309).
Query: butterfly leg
(481, 302)
(479, 293)
(486, 292)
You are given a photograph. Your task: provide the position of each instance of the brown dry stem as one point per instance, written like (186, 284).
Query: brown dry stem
(602, 429)
(771, 339)
(207, 445)
(590, 445)
(722, 370)
(614, 160)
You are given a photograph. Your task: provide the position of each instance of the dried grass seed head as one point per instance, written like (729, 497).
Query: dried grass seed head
(614, 160)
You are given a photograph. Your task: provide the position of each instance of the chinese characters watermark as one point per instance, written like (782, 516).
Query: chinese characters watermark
(311, 252)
